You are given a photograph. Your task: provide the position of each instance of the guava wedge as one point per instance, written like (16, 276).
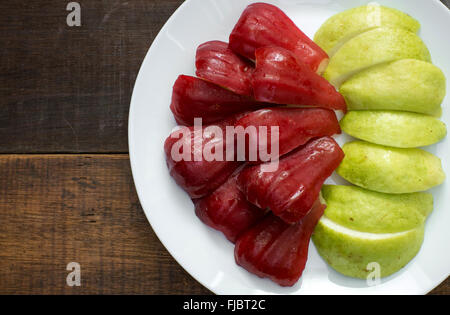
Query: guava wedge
(395, 129)
(390, 170)
(351, 252)
(374, 47)
(361, 227)
(373, 212)
(406, 85)
(345, 25)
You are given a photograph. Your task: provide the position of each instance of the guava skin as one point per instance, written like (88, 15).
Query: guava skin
(350, 256)
(347, 24)
(374, 47)
(360, 227)
(372, 212)
(393, 128)
(390, 170)
(406, 85)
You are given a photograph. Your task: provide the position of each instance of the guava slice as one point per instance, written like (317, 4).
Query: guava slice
(374, 47)
(345, 25)
(406, 85)
(362, 227)
(372, 212)
(395, 129)
(390, 170)
(351, 252)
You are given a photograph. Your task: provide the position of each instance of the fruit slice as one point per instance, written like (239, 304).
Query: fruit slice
(263, 25)
(218, 64)
(196, 175)
(351, 252)
(195, 98)
(296, 126)
(406, 85)
(390, 170)
(345, 25)
(395, 129)
(372, 212)
(282, 78)
(276, 250)
(228, 211)
(362, 227)
(374, 47)
(292, 189)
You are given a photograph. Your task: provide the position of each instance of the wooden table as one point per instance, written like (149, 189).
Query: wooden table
(66, 191)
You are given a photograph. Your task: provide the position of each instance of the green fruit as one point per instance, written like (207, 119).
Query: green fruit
(406, 85)
(395, 129)
(390, 170)
(374, 47)
(350, 252)
(362, 227)
(373, 212)
(348, 24)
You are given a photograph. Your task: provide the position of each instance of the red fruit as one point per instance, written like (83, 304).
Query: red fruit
(218, 64)
(282, 79)
(296, 126)
(292, 189)
(263, 25)
(196, 98)
(228, 211)
(276, 250)
(198, 178)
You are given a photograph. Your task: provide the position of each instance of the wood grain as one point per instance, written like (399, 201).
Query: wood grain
(442, 289)
(68, 89)
(57, 209)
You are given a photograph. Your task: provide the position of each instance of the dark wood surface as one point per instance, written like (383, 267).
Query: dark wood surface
(57, 209)
(66, 191)
(68, 89)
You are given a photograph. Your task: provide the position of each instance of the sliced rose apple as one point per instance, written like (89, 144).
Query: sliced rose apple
(228, 211)
(281, 78)
(292, 189)
(295, 127)
(263, 25)
(277, 250)
(218, 64)
(191, 170)
(195, 98)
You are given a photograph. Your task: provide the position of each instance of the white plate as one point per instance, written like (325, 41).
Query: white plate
(205, 253)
